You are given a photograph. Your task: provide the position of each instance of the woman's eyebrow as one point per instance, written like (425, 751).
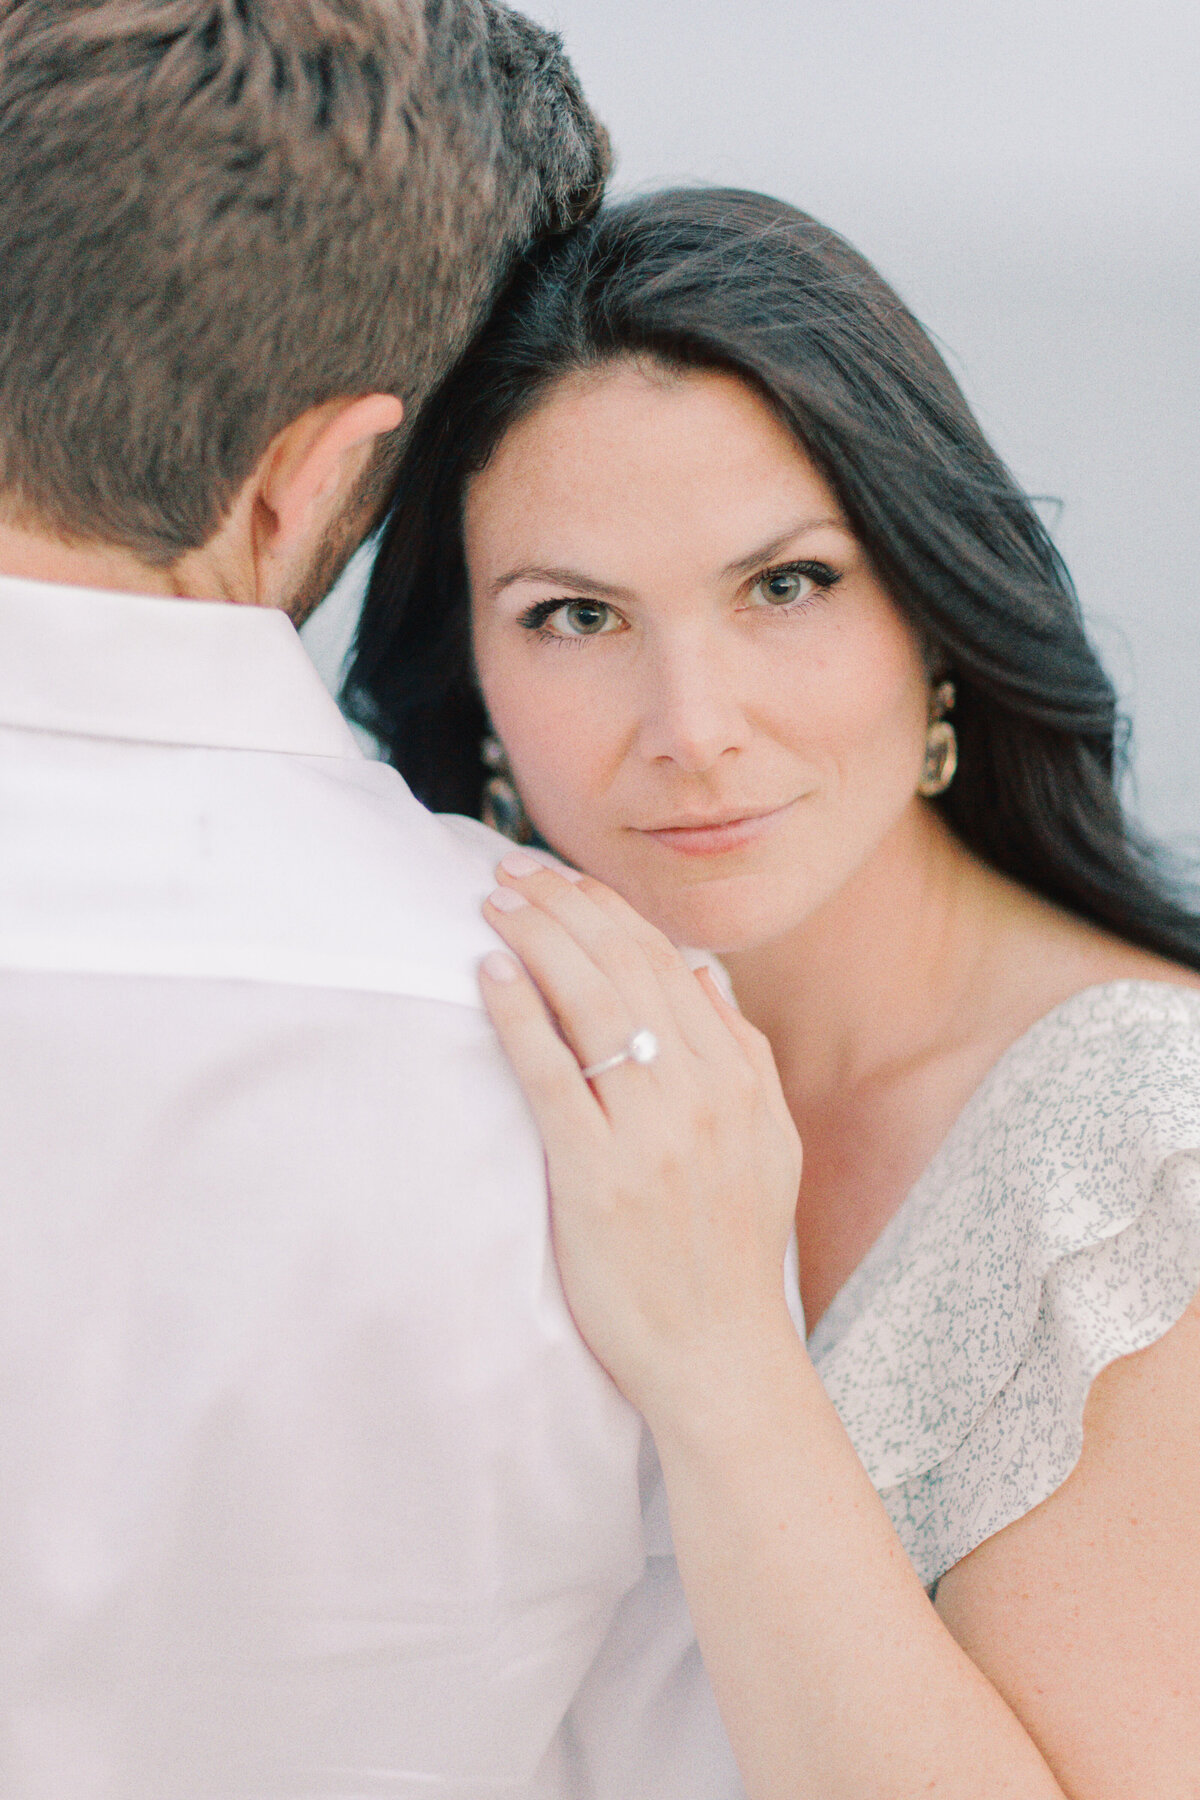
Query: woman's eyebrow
(765, 552)
(569, 578)
(578, 578)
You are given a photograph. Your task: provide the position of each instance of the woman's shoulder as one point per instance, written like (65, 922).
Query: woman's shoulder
(1056, 1230)
(1112, 1048)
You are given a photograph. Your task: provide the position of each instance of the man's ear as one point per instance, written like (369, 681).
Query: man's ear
(313, 467)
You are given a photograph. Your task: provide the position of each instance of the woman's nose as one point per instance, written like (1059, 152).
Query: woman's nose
(692, 714)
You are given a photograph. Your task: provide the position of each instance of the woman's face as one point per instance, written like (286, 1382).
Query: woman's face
(707, 698)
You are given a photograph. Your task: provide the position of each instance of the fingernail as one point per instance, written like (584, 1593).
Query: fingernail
(519, 862)
(571, 874)
(499, 966)
(504, 900)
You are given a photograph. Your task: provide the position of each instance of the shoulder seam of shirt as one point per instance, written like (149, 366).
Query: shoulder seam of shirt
(264, 965)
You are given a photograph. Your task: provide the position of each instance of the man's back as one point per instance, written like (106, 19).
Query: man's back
(307, 1484)
(310, 1486)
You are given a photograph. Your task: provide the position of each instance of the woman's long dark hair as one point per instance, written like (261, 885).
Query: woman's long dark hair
(733, 281)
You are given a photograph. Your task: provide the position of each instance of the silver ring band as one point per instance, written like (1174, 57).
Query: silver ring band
(641, 1048)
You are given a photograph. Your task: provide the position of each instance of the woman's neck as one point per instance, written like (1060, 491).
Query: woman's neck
(894, 965)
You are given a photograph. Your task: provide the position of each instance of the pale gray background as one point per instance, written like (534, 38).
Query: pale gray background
(1027, 173)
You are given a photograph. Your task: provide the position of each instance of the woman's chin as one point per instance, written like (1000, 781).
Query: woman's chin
(726, 914)
(724, 917)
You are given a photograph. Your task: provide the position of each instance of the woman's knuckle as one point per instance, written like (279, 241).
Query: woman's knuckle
(611, 1016)
(622, 953)
(746, 1085)
(670, 1167)
(660, 953)
(706, 1121)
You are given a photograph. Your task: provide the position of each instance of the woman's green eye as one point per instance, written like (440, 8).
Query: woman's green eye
(584, 618)
(572, 619)
(782, 585)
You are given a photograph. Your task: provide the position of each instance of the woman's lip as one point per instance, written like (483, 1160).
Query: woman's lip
(725, 834)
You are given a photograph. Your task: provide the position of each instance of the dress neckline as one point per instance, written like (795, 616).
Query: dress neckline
(844, 1306)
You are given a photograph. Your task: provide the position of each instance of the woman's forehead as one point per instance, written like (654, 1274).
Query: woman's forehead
(642, 454)
(640, 398)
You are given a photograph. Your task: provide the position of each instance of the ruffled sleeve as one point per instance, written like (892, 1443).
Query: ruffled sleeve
(1057, 1229)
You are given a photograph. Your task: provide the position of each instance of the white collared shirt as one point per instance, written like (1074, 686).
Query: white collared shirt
(308, 1486)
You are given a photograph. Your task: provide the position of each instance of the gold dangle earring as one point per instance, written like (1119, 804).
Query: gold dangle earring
(941, 744)
(502, 806)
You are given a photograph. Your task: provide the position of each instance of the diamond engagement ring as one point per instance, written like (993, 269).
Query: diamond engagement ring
(641, 1048)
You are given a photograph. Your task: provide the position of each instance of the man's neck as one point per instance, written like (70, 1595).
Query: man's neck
(32, 556)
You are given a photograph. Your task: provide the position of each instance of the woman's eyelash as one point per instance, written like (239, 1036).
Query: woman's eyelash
(817, 572)
(536, 616)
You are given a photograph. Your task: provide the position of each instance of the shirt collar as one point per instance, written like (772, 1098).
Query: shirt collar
(161, 671)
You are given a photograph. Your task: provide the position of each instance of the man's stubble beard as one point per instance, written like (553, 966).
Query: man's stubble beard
(364, 511)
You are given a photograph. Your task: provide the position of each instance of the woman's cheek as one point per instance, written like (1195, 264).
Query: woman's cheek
(564, 806)
(870, 708)
(559, 755)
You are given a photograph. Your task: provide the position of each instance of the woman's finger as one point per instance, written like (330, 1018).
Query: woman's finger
(756, 1050)
(565, 1110)
(697, 1019)
(642, 964)
(749, 1038)
(596, 1015)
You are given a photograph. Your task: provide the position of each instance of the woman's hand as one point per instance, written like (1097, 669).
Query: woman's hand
(673, 1182)
(673, 1187)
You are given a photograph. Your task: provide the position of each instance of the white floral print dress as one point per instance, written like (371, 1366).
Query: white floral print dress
(1056, 1229)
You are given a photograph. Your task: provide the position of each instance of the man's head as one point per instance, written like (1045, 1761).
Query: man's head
(237, 238)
